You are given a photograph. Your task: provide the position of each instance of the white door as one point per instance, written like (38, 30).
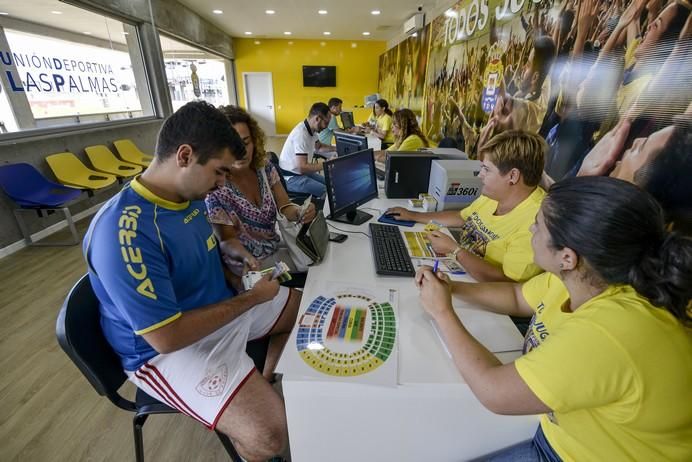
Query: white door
(259, 99)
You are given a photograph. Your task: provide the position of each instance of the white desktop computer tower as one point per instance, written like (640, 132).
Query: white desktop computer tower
(454, 183)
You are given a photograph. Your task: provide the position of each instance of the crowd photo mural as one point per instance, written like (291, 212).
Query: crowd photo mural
(571, 70)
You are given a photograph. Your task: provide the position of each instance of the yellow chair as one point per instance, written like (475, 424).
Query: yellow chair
(105, 161)
(70, 171)
(129, 152)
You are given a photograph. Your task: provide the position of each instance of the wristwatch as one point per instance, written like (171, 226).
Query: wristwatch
(453, 253)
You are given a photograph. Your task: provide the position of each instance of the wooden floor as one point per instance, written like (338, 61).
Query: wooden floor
(48, 410)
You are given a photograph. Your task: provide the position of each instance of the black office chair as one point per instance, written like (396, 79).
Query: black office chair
(296, 197)
(79, 333)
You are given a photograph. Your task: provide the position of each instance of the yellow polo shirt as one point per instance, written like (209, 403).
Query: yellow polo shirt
(503, 240)
(384, 124)
(617, 374)
(410, 143)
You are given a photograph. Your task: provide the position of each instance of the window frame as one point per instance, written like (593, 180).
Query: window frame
(76, 128)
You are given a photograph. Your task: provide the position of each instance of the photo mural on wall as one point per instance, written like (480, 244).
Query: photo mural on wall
(483, 59)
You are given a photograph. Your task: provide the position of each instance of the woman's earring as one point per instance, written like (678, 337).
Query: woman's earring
(561, 266)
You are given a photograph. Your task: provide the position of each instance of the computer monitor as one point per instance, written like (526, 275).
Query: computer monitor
(350, 182)
(347, 120)
(347, 143)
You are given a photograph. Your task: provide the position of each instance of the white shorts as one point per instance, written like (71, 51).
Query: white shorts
(201, 379)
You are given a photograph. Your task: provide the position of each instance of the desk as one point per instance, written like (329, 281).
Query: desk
(432, 414)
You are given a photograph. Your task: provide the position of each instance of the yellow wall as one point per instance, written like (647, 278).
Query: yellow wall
(356, 73)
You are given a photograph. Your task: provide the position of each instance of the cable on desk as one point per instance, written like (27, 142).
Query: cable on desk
(349, 232)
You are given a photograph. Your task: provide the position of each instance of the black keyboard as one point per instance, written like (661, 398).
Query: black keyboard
(389, 251)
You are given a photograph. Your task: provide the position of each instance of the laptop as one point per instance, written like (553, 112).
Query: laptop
(347, 120)
(314, 237)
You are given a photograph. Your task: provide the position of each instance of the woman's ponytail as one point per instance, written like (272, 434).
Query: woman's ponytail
(664, 275)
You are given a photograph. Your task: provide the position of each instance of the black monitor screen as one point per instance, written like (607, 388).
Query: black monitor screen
(319, 76)
(350, 181)
(347, 143)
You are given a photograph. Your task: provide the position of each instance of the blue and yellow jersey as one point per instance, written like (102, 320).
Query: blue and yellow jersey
(149, 261)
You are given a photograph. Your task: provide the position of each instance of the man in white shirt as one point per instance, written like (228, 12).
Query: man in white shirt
(299, 149)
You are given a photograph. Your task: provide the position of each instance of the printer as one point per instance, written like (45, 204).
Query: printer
(454, 183)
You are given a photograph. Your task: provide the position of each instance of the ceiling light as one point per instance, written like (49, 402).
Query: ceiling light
(56, 12)
(321, 11)
(217, 11)
(366, 33)
(248, 33)
(269, 11)
(375, 12)
(86, 33)
(126, 33)
(2, 13)
(327, 33)
(287, 33)
(450, 13)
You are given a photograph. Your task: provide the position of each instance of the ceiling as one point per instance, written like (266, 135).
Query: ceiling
(345, 19)
(60, 15)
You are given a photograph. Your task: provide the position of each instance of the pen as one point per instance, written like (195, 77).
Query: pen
(437, 263)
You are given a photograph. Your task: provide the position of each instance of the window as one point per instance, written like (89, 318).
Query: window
(193, 74)
(61, 65)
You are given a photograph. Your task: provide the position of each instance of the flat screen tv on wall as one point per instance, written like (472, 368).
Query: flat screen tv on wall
(319, 76)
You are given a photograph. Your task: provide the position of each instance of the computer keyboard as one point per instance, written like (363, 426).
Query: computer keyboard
(389, 251)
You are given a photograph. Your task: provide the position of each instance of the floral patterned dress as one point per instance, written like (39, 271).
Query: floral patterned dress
(255, 225)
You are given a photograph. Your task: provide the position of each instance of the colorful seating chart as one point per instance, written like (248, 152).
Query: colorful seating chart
(348, 334)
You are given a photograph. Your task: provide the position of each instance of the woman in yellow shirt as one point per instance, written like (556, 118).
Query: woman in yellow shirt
(380, 122)
(495, 242)
(407, 134)
(608, 356)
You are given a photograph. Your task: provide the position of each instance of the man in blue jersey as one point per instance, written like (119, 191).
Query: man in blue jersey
(166, 308)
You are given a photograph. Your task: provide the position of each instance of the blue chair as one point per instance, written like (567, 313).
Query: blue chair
(33, 192)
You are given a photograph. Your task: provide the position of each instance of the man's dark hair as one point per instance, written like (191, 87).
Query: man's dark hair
(319, 109)
(203, 127)
(334, 102)
(667, 177)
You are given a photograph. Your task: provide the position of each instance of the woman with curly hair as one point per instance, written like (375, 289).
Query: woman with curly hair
(243, 213)
(407, 134)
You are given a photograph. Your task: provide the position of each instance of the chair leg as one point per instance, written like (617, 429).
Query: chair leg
(22, 226)
(137, 424)
(27, 236)
(228, 445)
(70, 224)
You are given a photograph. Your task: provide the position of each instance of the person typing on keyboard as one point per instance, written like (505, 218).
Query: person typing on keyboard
(495, 242)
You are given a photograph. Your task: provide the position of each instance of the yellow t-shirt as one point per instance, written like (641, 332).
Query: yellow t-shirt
(410, 143)
(384, 124)
(617, 374)
(503, 240)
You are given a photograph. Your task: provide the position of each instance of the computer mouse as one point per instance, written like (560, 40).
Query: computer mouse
(392, 215)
